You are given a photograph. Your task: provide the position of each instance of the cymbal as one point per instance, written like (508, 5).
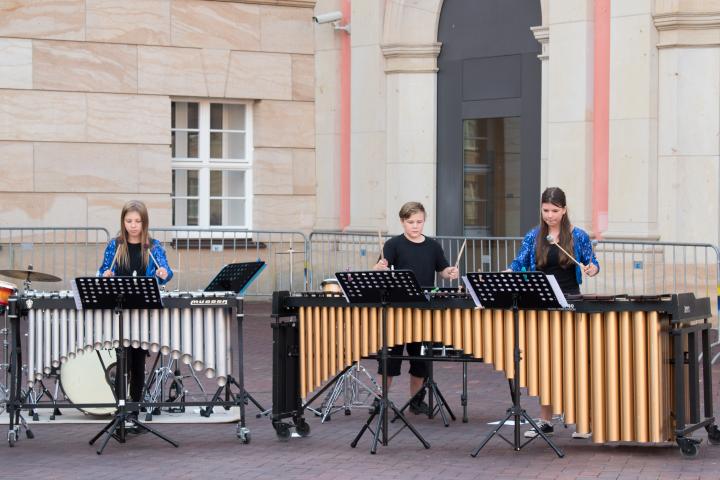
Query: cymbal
(30, 275)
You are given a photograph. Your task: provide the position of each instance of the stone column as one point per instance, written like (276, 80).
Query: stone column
(688, 120)
(542, 35)
(570, 106)
(411, 129)
(632, 189)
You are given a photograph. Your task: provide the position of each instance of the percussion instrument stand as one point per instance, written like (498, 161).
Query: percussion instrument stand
(120, 293)
(16, 420)
(496, 290)
(4, 362)
(237, 277)
(436, 401)
(464, 394)
(350, 386)
(382, 287)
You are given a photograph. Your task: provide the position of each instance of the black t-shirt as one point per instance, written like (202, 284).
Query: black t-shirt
(565, 276)
(136, 262)
(424, 258)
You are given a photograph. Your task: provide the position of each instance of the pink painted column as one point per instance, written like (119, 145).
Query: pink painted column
(345, 121)
(601, 117)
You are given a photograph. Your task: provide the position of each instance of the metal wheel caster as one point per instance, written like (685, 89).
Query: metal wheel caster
(302, 428)
(713, 434)
(148, 417)
(243, 433)
(347, 412)
(11, 438)
(35, 417)
(29, 434)
(283, 431)
(689, 447)
(206, 412)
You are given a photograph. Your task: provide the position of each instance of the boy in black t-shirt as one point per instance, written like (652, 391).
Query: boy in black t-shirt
(424, 256)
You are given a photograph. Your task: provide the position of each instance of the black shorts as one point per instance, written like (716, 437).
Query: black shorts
(418, 368)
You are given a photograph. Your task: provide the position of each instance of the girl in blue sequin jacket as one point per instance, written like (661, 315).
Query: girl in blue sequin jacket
(133, 250)
(539, 252)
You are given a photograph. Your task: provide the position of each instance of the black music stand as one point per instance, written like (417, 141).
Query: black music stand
(513, 290)
(118, 293)
(384, 288)
(236, 277)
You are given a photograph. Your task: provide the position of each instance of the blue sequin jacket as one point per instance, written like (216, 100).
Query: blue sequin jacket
(582, 247)
(157, 251)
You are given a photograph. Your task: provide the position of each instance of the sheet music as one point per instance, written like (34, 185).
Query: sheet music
(557, 291)
(76, 295)
(469, 289)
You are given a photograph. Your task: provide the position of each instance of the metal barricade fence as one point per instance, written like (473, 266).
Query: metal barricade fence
(341, 251)
(626, 267)
(196, 255)
(66, 252)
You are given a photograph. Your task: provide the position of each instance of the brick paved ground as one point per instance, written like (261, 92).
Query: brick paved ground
(212, 451)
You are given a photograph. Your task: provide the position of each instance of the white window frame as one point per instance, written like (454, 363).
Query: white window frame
(204, 164)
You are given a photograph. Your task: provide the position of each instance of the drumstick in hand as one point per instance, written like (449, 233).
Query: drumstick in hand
(462, 249)
(112, 265)
(380, 242)
(552, 241)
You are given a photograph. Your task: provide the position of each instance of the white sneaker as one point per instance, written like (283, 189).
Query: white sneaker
(544, 426)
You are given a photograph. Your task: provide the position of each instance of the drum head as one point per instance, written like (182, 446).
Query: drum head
(6, 290)
(331, 285)
(84, 380)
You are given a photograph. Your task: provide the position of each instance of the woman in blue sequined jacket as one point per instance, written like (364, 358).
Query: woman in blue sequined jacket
(121, 257)
(539, 252)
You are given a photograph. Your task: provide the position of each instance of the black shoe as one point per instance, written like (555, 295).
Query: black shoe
(419, 407)
(545, 428)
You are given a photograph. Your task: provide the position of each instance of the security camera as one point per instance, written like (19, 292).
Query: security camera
(328, 17)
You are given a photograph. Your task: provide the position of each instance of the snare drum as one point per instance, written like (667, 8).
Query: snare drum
(84, 380)
(6, 290)
(331, 285)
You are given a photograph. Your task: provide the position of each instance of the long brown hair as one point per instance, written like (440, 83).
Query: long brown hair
(121, 253)
(555, 196)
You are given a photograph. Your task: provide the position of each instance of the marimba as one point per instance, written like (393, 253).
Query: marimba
(623, 368)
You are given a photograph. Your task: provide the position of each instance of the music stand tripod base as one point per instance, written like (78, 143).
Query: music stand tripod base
(511, 290)
(119, 293)
(383, 288)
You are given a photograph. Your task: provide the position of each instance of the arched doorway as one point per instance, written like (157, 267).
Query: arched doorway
(488, 121)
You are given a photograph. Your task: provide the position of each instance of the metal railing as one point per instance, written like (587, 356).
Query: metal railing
(626, 267)
(66, 252)
(296, 262)
(196, 255)
(331, 252)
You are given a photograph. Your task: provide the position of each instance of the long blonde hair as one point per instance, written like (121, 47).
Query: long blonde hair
(555, 196)
(122, 255)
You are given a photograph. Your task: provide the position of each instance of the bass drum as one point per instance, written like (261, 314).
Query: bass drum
(84, 380)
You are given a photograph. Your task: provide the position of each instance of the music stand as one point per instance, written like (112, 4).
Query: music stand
(118, 293)
(513, 290)
(236, 277)
(383, 288)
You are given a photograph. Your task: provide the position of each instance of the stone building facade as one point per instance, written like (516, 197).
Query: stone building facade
(107, 100)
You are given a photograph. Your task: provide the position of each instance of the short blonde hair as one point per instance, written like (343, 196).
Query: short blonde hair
(410, 209)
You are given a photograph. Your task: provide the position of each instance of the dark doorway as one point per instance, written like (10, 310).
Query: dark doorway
(489, 82)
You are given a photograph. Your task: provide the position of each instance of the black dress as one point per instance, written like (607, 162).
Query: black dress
(135, 356)
(565, 275)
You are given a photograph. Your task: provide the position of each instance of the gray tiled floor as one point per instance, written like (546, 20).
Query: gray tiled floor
(213, 451)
